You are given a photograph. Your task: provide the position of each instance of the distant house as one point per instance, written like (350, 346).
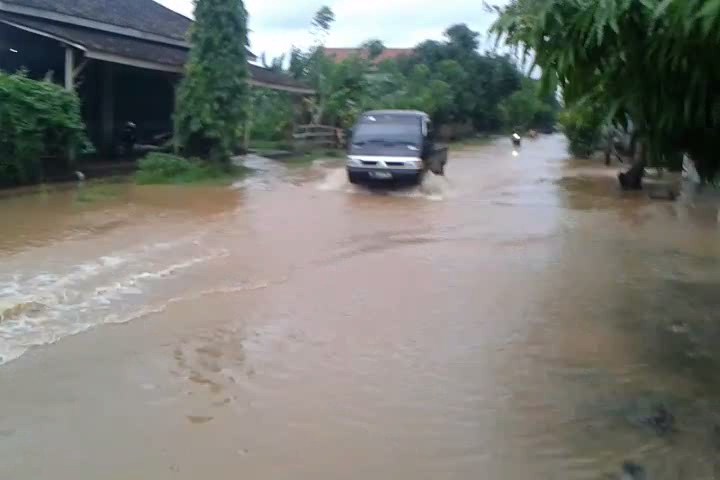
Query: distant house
(124, 57)
(341, 54)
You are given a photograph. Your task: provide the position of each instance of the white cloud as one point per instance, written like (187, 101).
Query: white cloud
(278, 25)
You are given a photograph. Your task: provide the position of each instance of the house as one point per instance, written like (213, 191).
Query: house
(124, 58)
(341, 54)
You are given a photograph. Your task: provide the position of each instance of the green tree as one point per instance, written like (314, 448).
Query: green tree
(322, 23)
(419, 90)
(374, 48)
(479, 82)
(298, 67)
(463, 101)
(339, 86)
(527, 108)
(213, 97)
(518, 110)
(649, 62)
(583, 126)
(274, 64)
(428, 52)
(448, 79)
(272, 114)
(462, 41)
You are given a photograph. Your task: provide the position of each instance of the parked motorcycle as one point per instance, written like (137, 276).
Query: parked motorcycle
(128, 138)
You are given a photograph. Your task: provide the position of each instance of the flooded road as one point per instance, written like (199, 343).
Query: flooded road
(517, 319)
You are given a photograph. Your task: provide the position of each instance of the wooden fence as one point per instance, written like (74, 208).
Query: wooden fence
(313, 137)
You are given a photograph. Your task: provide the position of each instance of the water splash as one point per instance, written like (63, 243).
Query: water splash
(45, 308)
(433, 187)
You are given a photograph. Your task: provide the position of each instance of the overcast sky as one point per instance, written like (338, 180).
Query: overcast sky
(277, 25)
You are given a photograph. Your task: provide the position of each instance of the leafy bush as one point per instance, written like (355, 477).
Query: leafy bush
(37, 119)
(582, 125)
(272, 115)
(165, 169)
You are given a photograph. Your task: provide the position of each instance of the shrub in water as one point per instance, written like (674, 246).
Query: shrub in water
(582, 125)
(37, 119)
(163, 168)
(164, 164)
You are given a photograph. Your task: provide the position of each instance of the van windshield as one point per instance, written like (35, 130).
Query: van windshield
(388, 129)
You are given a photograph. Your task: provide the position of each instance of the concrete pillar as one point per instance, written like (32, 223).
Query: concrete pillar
(70, 86)
(69, 69)
(107, 109)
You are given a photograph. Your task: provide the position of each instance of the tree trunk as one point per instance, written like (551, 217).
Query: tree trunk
(632, 179)
(633, 144)
(608, 151)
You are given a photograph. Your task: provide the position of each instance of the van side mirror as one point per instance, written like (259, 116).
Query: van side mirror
(431, 133)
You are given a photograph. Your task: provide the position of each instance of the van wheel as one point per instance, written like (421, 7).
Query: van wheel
(419, 178)
(353, 178)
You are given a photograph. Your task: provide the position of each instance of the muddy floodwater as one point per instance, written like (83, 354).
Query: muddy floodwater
(518, 319)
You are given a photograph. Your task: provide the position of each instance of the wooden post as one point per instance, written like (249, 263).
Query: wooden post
(107, 110)
(70, 87)
(296, 107)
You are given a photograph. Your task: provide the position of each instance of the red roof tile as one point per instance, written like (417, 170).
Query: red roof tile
(340, 54)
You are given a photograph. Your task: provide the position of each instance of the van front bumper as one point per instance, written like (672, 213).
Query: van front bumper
(365, 174)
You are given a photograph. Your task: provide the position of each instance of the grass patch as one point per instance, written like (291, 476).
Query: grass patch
(166, 169)
(98, 192)
(269, 145)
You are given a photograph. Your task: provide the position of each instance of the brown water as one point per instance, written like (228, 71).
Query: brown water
(518, 319)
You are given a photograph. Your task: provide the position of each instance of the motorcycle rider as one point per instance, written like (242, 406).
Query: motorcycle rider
(516, 138)
(128, 138)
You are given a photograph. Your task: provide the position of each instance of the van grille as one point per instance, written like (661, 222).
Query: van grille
(368, 162)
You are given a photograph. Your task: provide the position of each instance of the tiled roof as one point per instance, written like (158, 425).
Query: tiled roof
(143, 15)
(340, 54)
(171, 57)
(107, 43)
(268, 78)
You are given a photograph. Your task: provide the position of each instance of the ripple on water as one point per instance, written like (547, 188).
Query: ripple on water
(44, 308)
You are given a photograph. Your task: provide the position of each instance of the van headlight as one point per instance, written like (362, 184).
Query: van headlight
(353, 162)
(414, 163)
